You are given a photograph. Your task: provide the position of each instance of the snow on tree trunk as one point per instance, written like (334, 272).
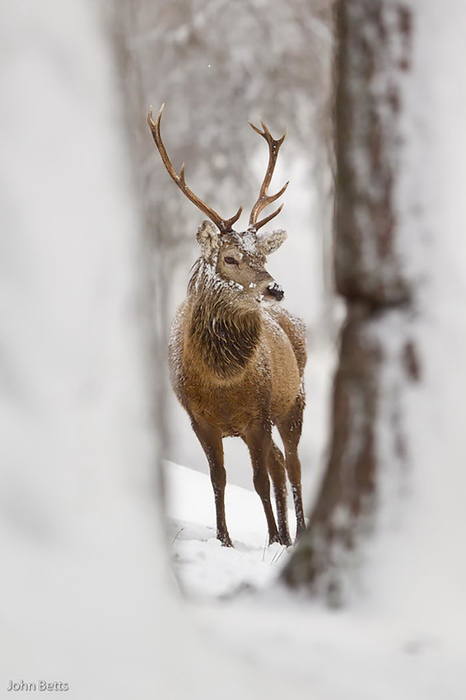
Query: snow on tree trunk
(395, 456)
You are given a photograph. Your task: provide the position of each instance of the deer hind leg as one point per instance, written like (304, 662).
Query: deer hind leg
(259, 441)
(278, 474)
(290, 428)
(211, 441)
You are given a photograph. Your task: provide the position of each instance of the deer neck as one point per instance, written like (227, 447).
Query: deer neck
(224, 329)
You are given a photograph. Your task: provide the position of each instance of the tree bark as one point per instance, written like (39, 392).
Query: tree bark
(373, 56)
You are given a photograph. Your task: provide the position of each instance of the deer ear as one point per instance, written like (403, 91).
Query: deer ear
(269, 242)
(208, 238)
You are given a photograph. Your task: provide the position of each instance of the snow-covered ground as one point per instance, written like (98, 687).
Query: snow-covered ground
(203, 566)
(359, 653)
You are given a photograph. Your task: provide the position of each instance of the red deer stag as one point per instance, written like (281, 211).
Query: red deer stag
(236, 357)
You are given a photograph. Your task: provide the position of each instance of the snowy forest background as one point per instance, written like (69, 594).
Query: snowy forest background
(96, 246)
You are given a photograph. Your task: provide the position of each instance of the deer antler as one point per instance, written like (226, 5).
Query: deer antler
(265, 199)
(224, 225)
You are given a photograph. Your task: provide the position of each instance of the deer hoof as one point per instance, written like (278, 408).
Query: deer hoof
(286, 540)
(274, 538)
(225, 540)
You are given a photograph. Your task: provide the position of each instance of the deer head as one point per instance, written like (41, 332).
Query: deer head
(237, 258)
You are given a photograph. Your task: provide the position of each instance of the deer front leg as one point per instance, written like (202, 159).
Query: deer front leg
(211, 441)
(259, 441)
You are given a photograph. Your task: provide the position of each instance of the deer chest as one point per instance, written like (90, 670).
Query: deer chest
(228, 407)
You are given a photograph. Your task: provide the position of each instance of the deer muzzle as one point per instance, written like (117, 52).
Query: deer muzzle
(274, 290)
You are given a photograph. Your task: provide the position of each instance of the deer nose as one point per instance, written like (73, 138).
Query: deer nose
(276, 291)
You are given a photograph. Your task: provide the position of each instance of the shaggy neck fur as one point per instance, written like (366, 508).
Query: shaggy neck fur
(225, 328)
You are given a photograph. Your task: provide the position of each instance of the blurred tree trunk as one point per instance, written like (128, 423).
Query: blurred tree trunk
(373, 57)
(86, 582)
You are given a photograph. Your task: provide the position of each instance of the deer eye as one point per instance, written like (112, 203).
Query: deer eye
(230, 261)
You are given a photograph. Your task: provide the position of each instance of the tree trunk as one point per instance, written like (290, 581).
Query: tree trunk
(374, 40)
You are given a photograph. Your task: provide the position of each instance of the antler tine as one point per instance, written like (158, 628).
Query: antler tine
(224, 225)
(265, 199)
